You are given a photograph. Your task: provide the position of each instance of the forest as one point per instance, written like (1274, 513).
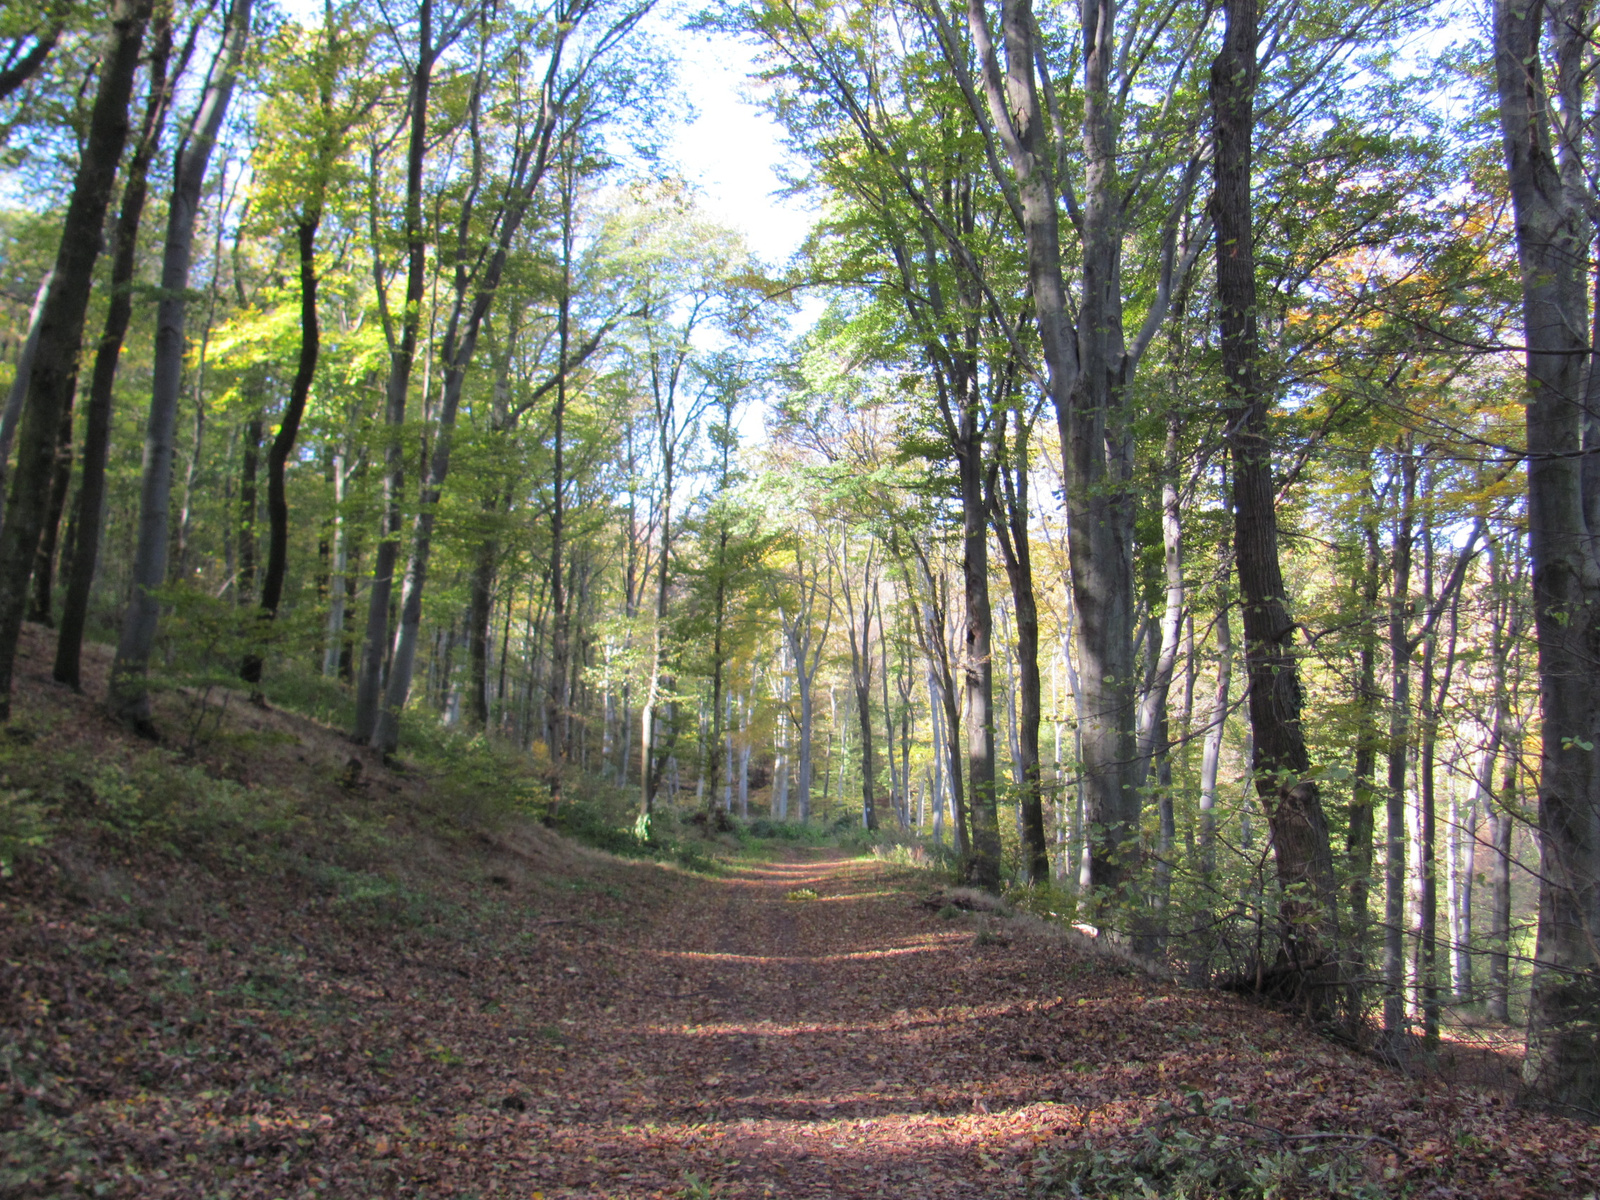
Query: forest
(1164, 485)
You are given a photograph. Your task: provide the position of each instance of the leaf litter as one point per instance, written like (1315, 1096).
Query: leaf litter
(559, 1023)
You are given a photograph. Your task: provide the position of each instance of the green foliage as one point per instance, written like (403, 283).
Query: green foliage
(161, 801)
(1210, 1150)
(24, 827)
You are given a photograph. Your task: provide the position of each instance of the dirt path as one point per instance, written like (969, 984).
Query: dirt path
(800, 1029)
(762, 1043)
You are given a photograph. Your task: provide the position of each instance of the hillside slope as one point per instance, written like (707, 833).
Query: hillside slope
(259, 972)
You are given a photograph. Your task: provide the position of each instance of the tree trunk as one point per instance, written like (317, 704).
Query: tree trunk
(555, 733)
(402, 357)
(288, 430)
(1498, 1007)
(861, 677)
(249, 506)
(53, 373)
(130, 698)
(335, 651)
(1562, 1065)
(44, 562)
(1009, 513)
(18, 391)
(90, 508)
(1364, 792)
(1394, 871)
(1304, 856)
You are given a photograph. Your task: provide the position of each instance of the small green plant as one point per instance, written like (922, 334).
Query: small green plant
(1210, 1150)
(24, 827)
(802, 894)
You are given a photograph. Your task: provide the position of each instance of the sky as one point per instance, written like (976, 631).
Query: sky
(732, 151)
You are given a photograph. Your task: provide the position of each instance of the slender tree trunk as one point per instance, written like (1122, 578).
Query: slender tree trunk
(402, 357)
(1010, 515)
(44, 562)
(1394, 872)
(288, 430)
(249, 506)
(18, 392)
(1364, 792)
(333, 650)
(977, 666)
(1500, 818)
(130, 698)
(556, 727)
(53, 371)
(861, 681)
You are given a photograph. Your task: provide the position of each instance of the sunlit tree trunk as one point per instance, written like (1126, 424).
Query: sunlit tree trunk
(1562, 1065)
(402, 358)
(130, 698)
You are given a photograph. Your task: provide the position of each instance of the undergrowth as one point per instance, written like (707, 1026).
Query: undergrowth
(1213, 1149)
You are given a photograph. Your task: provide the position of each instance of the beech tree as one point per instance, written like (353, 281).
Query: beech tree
(53, 367)
(1544, 92)
(130, 697)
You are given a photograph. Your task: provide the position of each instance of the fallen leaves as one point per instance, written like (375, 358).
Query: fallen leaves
(799, 1028)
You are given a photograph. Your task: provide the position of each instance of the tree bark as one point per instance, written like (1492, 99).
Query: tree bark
(402, 357)
(861, 672)
(288, 431)
(53, 373)
(1304, 857)
(1087, 375)
(1498, 1006)
(44, 561)
(1364, 792)
(977, 668)
(17, 393)
(1009, 513)
(1562, 1065)
(129, 695)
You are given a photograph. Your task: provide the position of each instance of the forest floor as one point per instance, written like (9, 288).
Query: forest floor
(257, 972)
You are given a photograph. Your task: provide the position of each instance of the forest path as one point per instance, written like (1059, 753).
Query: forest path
(750, 1040)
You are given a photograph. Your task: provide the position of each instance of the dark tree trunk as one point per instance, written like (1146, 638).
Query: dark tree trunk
(977, 667)
(44, 562)
(1009, 513)
(480, 608)
(1364, 792)
(249, 506)
(283, 444)
(555, 732)
(1282, 765)
(54, 373)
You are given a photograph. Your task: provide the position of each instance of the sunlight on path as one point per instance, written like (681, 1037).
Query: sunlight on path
(832, 1046)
